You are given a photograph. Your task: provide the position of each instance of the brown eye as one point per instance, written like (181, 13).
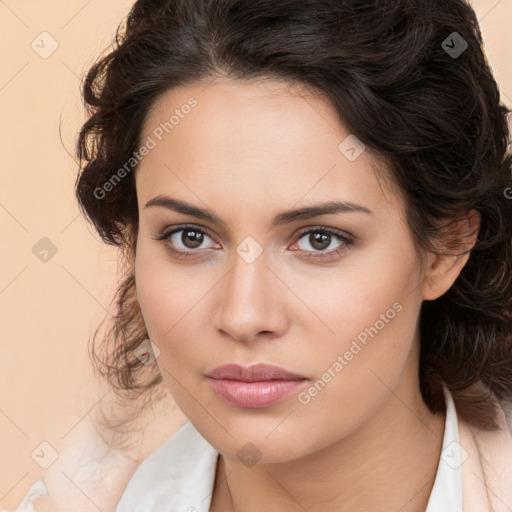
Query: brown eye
(320, 243)
(191, 238)
(185, 241)
(321, 239)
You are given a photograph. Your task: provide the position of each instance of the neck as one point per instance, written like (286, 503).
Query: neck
(389, 463)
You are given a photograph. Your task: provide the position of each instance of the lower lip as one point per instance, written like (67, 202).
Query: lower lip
(254, 394)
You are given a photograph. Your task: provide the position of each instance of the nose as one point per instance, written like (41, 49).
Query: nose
(252, 302)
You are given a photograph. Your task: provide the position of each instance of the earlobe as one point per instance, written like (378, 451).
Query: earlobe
(454, 248)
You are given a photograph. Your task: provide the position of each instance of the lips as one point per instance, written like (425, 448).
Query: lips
(253, 387)
(255, 373)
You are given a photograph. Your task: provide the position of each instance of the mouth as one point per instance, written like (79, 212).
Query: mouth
(254, 373)
(256, 386)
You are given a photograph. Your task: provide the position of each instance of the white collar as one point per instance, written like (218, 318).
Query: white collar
(446, 495)
(179, 476)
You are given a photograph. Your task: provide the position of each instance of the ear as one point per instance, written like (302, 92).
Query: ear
(452, 253)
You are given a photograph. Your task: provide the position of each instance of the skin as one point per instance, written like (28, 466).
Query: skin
(248, 151)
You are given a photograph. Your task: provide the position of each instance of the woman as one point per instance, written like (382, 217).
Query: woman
(313, 201)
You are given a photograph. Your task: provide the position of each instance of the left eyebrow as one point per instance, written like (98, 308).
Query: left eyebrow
(308, 212)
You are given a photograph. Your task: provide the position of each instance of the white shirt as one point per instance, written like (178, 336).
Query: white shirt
(179, 476)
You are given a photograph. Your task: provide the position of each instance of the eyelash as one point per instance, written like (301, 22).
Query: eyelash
(347, 241)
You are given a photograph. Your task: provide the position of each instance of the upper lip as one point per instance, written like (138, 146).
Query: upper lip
(254, 373)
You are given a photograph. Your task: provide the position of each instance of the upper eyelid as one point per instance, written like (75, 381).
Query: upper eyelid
(178, 228)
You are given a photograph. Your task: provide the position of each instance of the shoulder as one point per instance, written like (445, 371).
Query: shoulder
(487, 462)
(86, 470)
(37, 490)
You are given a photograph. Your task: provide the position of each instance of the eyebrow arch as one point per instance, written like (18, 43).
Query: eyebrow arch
(308, 212)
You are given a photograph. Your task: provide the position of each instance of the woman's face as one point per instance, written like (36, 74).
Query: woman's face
(252, 285)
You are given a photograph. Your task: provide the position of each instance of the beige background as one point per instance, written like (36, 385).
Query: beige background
(49, 309)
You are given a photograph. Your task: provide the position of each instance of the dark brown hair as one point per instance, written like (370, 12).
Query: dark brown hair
(400, 76)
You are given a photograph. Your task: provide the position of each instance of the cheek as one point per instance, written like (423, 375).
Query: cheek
(367, 314)
(373, 314)
(163, 290)
(172, 301)
(360, 292)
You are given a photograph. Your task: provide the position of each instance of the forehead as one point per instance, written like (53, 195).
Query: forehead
(265, 142)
